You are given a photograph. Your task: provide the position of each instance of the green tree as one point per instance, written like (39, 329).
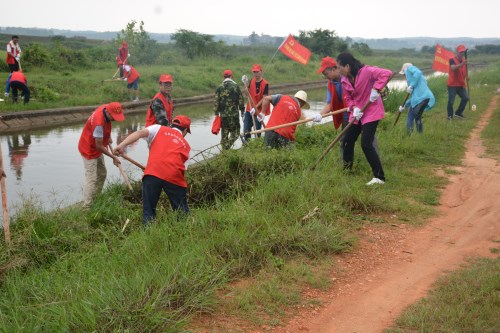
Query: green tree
(322, 42)
(143, 49)
(362, 48)
(195, 44)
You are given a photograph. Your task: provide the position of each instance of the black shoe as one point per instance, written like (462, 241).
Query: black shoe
(450, 118)
(459, 116)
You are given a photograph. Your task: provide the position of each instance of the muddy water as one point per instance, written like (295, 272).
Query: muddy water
(46, 167)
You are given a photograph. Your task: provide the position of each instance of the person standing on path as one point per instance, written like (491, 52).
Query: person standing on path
(168, 154)
(161, 109)
(362, 84)
(457, 77)
(94, 140)
(228, 105)
(257, 88)
(286, 109)
(422, 99)
(13, 57)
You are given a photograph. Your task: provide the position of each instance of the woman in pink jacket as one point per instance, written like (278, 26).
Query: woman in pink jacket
(362, 84)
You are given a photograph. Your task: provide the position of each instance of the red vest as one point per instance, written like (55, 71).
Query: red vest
(335, 104)
(122, 55)
(168, 154)
(286, 111)
(132, 75)
(456, 78)
(257, 96)
(14, 49)
(86, 145)
(169, 108)
(19, 77)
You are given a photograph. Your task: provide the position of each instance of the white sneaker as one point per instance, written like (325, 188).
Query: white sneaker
(136, 99)
(375, 181)
(6, 94)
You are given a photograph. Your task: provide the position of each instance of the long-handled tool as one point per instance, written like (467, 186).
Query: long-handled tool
(124, 175)
(6, 224)
(467, 78)
(118, 69)
(399, 113)
(298, 122)
(125, 156)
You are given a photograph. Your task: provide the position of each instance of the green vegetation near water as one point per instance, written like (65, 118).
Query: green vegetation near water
(74, 270)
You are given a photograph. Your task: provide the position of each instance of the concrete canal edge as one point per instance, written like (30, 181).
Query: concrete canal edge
(29, 120)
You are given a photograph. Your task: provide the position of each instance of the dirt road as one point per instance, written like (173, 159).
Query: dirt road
(396, 265)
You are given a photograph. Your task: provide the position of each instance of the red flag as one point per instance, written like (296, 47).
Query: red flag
(442, 59)
(295, 51)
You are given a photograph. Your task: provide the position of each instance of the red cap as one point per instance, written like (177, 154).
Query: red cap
(183, 121)
(326, 62)
(228, 72)
(116, 111)
(461, 48)
(166, 78)
(256, 68)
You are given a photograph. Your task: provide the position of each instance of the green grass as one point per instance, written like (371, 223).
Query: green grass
(70, 270)
(466, 300)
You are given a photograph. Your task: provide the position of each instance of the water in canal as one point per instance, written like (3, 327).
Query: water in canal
(45, 165)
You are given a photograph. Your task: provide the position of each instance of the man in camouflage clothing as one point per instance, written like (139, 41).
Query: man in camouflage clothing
(229, 105)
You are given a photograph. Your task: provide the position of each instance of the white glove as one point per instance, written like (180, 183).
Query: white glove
(124, 79)
(17, 58)
(128, 55)
(374, 95)
(252, 112)
(244, 78)
(260, 117)
(401, 108)
(317, 118)
(357, 113)
(409, 89)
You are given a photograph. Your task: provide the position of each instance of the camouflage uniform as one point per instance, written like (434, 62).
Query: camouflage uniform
(228, 104)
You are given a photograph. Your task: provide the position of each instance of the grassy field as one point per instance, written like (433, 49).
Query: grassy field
(73, 270)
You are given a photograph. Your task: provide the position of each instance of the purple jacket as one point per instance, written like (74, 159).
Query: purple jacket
(368, 77)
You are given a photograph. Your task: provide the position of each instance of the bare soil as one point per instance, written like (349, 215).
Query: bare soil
(394, 265)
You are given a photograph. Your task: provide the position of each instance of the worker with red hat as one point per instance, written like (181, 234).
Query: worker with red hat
(161, 109)
(122, 56)
(457, 77)
(95, 137)
(228, 105)
(257, 89)
(168, 154)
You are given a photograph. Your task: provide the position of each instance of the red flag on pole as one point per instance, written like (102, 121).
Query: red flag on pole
(294, 50)
(442, 59)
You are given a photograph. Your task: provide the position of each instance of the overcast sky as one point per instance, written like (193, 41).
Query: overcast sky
(353, 18)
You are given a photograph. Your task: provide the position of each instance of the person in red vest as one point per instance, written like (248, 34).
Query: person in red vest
(18, 82)
(168, 154)
(94, 140)
(13, 57)
(161, 109)
(122, 56)
(132, 78)
(457, 75)
(258, 88)
(286, 109)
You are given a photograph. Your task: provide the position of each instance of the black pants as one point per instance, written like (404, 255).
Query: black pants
(15, 86)
(151, 191)
(367, 132)
(275, 140)
(14, 67)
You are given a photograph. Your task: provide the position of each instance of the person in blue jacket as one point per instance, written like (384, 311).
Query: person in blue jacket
(421, 97)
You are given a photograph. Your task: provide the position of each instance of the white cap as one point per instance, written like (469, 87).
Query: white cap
(405, 67)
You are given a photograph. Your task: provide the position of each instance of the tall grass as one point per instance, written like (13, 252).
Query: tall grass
(70, 270)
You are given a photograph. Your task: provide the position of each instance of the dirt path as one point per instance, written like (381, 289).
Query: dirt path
(396, 265)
